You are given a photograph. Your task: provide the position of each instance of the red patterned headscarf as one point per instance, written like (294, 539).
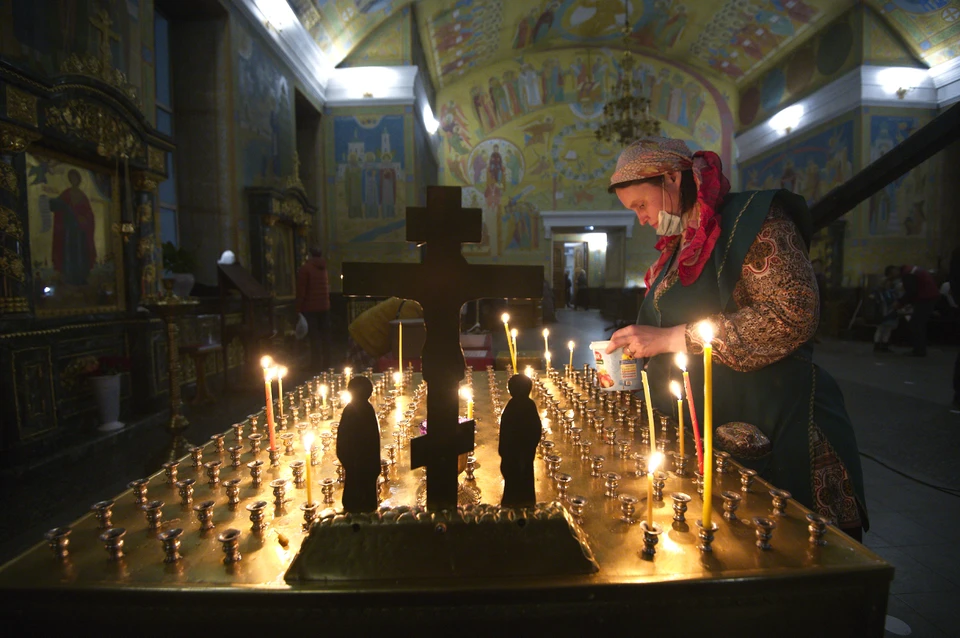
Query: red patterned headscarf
(653, 156)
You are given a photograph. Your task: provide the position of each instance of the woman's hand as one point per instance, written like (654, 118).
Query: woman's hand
(648, 341)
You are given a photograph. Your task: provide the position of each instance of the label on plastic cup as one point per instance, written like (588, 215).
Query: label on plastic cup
(616, 371)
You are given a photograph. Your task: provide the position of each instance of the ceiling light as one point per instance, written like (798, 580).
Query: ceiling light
(788, 119)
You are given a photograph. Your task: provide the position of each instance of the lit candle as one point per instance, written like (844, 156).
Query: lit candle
(345, 398)
(546, 333)
(546, 357)
(678, 392)
(706, 333)
(397, 379)
(513, 337)
(528, 371)
(400, 344)
(652, 466)
(346, 374)
(571, 346)
(681, 360)
(506, 329)
(281, 372)
(323, 394)
(646, 396)
(268, 388)
(308, 444)
(467, 394)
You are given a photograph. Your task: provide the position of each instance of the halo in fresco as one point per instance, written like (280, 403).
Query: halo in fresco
(483, 163)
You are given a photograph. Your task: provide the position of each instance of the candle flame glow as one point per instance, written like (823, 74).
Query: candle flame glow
(397, 376)
(308, 441)
(675, 389)
(514, 333)
(546, 355)
(266, 362)
(466, 393)
(281, 372)
(347, 371)
(504, 317)
(546, 332)
(323, 390)
(706, 331)
(654, 463)
(681, 361)
(345, 397)
(269, 373)
(528, 371)
(570, 345)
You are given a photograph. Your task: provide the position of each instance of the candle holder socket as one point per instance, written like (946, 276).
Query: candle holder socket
(279, 487)
(817, 528)
(153, 512)
(103, 511)
(256, 442)
(596, 466)
(230, 539)
(623, 448)
(204, 513)
(698, 480)
(680, 464)
(213, 472)
(471, 468)
(553, 464)
(58, 539)
(585, 447)
(139, 488)
(112, 540)
(680, 501)
(287, 439)
(326, 488)
(611, 482)
(309, 514)
(256, 472)
(257, 511)
(562, 481)
(298, 468)
(340, 471)
(217, 443)
(238, 432)
(628, 508)
(577, 506)
(706, 535)
(659, 482)
(185, 489)
(780, 500)
(274, 457)
(651, 536)
(196, 455)
(731, 501)
(233, 491)
(171, 544)
(747, 477)
(170, 471)
(722, 460)
(639, 464)
(765, 527)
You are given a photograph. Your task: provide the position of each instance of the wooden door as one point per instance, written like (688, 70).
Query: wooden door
(559, 291)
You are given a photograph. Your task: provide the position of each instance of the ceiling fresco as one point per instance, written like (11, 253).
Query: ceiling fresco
(735, 40)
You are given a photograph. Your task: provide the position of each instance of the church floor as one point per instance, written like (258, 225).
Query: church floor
(900, 406)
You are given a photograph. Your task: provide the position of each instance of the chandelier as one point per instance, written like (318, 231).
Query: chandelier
(626, 117)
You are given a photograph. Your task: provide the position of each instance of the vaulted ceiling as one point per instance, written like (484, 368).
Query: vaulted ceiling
(732, 39)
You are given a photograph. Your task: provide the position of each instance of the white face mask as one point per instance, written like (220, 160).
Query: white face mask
(667, 223)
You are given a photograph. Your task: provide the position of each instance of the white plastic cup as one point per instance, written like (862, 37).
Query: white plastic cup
(616, 371)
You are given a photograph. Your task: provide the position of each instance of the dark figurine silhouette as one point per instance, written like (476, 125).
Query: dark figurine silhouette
(520, 431)
(358, 448)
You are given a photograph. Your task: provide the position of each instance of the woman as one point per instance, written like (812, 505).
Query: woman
(740, 261)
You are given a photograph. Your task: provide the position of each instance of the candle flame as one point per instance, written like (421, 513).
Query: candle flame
(308, 441)
(345, 398)
(654, 463)
(546, 332)
(570, 345)
(466, 393)
(675, 390)
(347, 371)
(546, 355)
(528, 371)
(266, 362)
(281, 372)
(504, 317)
(706, 331)
(681, 361)
(269, 373)
(323, 391)
(397, 376)
(514, 333)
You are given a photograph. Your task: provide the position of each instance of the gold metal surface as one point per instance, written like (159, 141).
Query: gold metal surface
(21, 106)
(616, 545)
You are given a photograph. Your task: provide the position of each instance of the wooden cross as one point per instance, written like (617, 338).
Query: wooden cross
(102, 23)
(442, 283)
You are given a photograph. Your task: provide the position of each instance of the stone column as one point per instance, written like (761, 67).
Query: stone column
(14, 253)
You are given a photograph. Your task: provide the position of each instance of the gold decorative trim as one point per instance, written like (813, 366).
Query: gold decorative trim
(76, 326)
(146, 246)
(12, 305)
(8, 179)
(14, 139)
(21, 106)
(294, 180)
(90, 122)
(10, 224)
(146, 212)
(268, 220)
(16, 393)
(101, 67)
(146, 182)
(11, 265)
(157, 160)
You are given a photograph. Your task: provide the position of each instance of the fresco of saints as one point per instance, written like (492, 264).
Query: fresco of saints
(74, 224)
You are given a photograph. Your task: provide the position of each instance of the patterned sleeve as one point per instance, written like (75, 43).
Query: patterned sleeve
(777, 300)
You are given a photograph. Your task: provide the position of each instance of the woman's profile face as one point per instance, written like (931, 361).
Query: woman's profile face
(646, 200)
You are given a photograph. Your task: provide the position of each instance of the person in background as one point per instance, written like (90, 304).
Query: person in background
(886, 298)
(567, 289)
(370, 333)
(313, 302)
(920, 291)
(583, 298)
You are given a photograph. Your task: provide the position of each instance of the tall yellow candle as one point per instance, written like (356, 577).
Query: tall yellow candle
(652, 466)
(506, 330)
(468, 395)
(400, 345)
(646, 396)
(346, 374)
(706, 332)
(323, 395)
(546, 357)
(268, 389)
(281, 372)
(513, 336)
(678, 392)
(546, 343)
(308, 444)
(571, 345)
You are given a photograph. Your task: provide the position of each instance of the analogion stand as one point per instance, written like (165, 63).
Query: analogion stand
(207, 543)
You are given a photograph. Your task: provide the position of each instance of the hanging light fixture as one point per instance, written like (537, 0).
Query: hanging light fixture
(626, 117)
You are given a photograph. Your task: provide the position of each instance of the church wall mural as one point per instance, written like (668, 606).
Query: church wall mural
(53, 37)
(518, 137)
(337, 26)
(930, 27)
(881, 46)
(835, 50)
(264, 117)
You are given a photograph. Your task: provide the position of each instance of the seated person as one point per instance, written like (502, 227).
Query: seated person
(370, 333)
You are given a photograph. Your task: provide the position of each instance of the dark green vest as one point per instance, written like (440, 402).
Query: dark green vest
(784, 398)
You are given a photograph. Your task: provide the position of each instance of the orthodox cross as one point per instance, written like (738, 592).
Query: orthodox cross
(442, 283)
(102, 23)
